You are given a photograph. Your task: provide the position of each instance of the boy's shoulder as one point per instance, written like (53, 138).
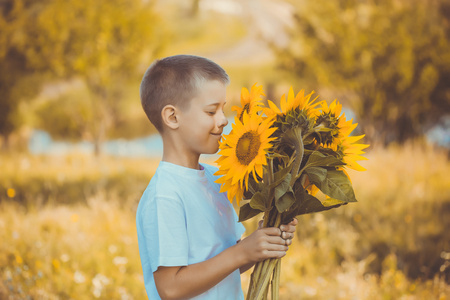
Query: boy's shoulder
(175, 183)
(170, 177)
(210, 168)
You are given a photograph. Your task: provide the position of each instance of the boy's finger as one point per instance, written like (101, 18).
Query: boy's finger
(274, 247)
(273, 231)
(276, 254)
(288, 228)
(294, 222)
(276, 240)
(287, 235)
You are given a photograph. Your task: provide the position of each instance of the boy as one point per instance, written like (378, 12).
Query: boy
(188, 233)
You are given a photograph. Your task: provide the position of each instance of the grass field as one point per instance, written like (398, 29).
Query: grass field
(67, 230)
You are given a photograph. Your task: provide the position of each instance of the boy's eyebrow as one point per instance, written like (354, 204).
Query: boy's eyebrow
(216, 104)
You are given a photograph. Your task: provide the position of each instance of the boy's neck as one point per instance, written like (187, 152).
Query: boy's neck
(181, 162)
(174, 155)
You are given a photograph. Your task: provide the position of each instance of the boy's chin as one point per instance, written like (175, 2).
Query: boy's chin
(212, 151)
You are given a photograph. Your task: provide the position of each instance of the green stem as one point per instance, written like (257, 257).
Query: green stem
(267, 270)
(263, 271)
(255, 276)
(299, 150)
(264, 280)
(259, 267)
(266, 292)
(276, 280)
(252, 285)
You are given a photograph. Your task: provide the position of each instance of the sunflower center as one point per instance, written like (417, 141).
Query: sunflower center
(330, 121)
(247, 147)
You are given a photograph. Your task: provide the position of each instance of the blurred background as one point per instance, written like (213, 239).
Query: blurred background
(77, 150)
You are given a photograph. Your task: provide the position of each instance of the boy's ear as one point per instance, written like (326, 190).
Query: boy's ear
(169, 116)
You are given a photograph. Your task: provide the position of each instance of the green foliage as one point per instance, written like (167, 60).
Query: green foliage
(67, 117)
(101, 43)
(18, 78)
(389, 59)
(246, 212)
(283, 194)
(333, 183)
(297, 157)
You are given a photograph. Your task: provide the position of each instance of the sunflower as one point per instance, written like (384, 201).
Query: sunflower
(243, 151)
(352, 152)
(328, 123)
(300, 102)
(338, 137)
(250, 101)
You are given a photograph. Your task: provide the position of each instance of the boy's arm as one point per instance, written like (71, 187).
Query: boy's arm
(189, 281)
(246, 267)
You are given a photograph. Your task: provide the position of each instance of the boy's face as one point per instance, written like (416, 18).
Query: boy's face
(202, 123)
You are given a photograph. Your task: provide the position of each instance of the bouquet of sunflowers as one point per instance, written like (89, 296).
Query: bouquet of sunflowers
(276, 159)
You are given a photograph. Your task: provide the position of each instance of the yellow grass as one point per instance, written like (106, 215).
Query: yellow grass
(392, 244)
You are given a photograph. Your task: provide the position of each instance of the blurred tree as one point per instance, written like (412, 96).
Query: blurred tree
(68, 116)
(18, 79)
(102, 42)
(391, 58)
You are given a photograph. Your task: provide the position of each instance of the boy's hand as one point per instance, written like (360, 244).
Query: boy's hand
(287, 231)
(263, 243)
(268, 242)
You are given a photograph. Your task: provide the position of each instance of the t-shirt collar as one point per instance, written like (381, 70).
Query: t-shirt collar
(183, 171)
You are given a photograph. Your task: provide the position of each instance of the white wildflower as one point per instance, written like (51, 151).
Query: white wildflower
(78, 277)
(120, 260)
(112, 249)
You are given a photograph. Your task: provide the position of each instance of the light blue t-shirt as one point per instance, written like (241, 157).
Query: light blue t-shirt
(182, 219)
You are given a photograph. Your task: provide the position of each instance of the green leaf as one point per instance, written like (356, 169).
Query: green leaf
(253, 187)
(293, 136)
(246, 212)
(282, 187)
(317, 159)
(336, 185)
(332, 202)
(306, 204)
(280, 176)
(312, 204)
(286, 201)
(316, 174)
(258, 202)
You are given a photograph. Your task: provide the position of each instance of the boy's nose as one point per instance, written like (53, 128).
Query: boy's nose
(223, 121)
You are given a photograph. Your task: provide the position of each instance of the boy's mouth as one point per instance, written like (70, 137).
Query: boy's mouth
(217, 134)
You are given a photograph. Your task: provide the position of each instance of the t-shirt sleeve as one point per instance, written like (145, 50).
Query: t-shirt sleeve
(165, 234)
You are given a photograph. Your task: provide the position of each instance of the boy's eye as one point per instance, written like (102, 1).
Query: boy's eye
(211, 113)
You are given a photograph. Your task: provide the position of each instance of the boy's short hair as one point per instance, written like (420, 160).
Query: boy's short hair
(175, 80)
